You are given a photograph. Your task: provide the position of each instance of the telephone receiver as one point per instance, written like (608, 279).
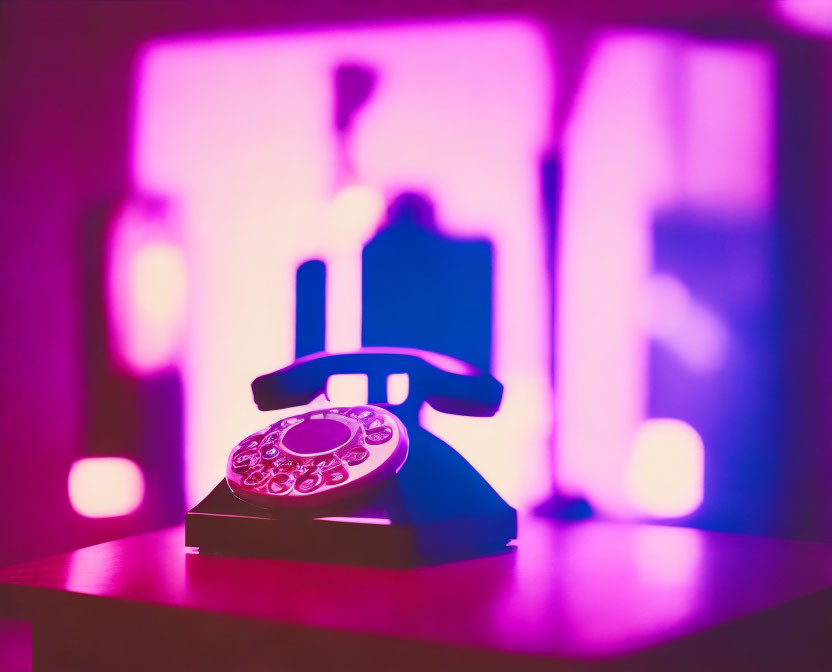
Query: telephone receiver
(444, 383)
(435, 481)
(327, 455)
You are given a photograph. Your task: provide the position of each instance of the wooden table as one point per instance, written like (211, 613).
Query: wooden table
(587, 595)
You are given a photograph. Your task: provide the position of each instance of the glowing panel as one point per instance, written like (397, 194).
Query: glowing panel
(398, 387)
(238, 131)
(354, 214)
(814, 16)
(347, 389)
(102, 487)
(362, 521)
(640, 142)
(667, 468)
(616, 162)
(623, 579)
(695, 334)
(725, 154)
(147, 288)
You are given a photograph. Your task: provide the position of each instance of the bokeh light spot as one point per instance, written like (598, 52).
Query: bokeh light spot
(347, 389)
(667, 468)
(398, 387)
(103, 487)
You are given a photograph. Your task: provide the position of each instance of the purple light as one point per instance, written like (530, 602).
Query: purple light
(147, 289)
(617, 163)
(640, 142)
(724, 138)
(362, 521)
(814, 16)
(239, 131)
(353, 215)
(692, 332)
(667, 468)
(622, 581)
(102, 487)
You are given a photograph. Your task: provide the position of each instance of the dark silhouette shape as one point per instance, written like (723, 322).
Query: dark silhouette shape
(310, 308)
(354, 85)
(422, 289)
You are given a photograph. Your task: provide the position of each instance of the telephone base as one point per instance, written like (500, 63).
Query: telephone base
(358, 533)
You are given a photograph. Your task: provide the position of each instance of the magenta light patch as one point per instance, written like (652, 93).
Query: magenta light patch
(237, 133)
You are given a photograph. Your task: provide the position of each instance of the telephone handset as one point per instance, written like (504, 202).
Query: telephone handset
(447, 384)
(325, 455)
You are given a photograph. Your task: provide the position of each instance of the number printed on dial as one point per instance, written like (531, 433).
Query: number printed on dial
(317, 457)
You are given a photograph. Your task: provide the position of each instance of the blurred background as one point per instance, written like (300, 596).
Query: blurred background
(619, 209)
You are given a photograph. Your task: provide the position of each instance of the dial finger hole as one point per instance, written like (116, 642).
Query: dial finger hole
(255, 478)
(247, 444)
(288, 422)
(269, 452)
(242, 462)
(382, 436)
(336, 475)
(271, 437)
(244, 456)
(361, 414)
(283, 461)
(327, 461)
(356, 456)
(309, 482)
(281, 484)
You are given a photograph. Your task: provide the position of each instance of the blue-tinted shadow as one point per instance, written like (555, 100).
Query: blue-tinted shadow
(423, 289)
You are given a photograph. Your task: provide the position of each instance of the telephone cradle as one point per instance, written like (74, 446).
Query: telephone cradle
(339, 506)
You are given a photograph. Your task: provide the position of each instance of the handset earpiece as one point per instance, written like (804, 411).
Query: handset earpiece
(447, 384)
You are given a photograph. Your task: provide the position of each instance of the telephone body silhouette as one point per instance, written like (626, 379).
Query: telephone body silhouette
(431, 507)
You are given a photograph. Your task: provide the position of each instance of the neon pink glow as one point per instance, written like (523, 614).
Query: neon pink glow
(726, 153)
(354, 214)
(363, 521)
(692, 332)
(102, 487)
(667, 469)
(622, 578)
(237, 131)
(605, 255)
(639, 143)
(814, 16)
(147, 287)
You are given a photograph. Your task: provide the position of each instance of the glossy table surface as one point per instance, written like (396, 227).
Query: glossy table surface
(568, 591)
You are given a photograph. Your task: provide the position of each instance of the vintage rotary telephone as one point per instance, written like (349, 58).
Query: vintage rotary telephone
(360, 484)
